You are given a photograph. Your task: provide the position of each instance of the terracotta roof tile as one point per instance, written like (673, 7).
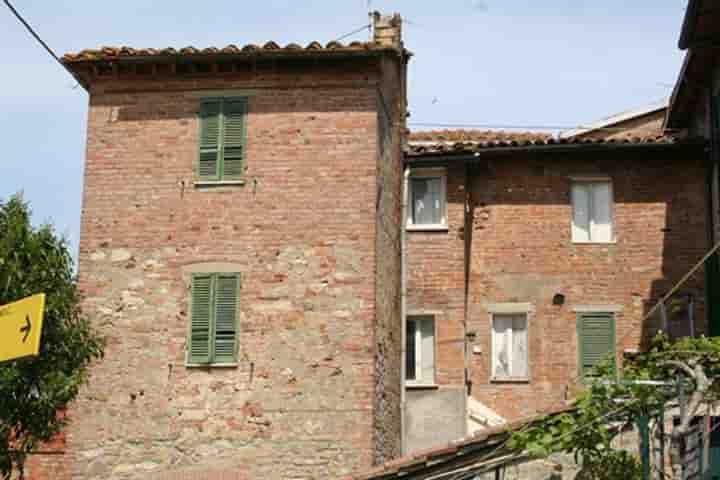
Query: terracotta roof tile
(114, 53)
(474, 136)
(472, 141)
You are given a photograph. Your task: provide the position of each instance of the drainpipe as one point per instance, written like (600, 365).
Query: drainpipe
(468, 221)
(403, 303)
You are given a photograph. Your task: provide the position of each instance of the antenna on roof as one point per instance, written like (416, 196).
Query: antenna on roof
(370, 19)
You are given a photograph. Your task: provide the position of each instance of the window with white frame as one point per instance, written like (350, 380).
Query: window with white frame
(509, 346)
(420, 350)
(592, 206)
(427, 198)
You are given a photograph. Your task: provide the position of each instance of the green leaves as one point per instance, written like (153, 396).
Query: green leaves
(35, 391)
(608, 405)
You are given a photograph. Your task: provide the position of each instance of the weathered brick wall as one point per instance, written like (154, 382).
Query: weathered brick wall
(436, 275)
(522, 252)
(49, 461)
(302, 231)
(435, 269)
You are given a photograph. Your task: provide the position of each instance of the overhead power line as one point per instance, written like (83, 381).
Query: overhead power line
(42, 42)
(515, 127)
(364, 27)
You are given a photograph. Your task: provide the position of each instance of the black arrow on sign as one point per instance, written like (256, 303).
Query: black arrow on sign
(26, 329)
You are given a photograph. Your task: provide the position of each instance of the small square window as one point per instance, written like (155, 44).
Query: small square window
(420, 354)
(592, 207)
(427, 204)
(509, 347)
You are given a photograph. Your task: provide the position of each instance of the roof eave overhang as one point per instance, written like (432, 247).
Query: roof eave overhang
(671, 118)
(243, 56)
(79, 67)
(443, 158)
(688, 27)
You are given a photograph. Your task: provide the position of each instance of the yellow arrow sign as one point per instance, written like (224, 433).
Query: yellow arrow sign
(20, 327)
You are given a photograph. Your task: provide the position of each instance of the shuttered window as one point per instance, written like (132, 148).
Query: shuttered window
(213, 323)
(596, 341)
(222, 139)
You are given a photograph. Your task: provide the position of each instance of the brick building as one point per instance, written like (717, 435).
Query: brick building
(240, 223)
(530, 259)
(694, 111)
(243, 248)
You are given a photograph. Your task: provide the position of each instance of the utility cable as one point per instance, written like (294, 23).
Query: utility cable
(664, 299)
(518, 127)
(674, 289)
(682, 281)
(42, 42)
(364, 27)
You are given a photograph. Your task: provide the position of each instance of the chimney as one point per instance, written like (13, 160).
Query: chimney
(387, 30)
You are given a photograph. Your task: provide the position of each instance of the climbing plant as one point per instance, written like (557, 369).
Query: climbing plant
(614, 401)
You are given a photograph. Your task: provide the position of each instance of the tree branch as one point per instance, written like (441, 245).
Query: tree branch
(678, 365)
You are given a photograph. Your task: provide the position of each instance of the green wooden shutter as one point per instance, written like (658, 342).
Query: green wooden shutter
(233, 144)
(225, 331)
(200, 319)
(596, 340)
(210, 140)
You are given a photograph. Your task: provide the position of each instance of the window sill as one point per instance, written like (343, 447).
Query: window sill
(509, 380)
(427, 228)
(218, 183)
(422, 386)
(611, 242)
(212, 365)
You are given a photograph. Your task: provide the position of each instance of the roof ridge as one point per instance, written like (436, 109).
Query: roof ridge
(116, 52)
(440, 146)
(474, 135)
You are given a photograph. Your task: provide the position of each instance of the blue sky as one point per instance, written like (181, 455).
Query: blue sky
(500, 62)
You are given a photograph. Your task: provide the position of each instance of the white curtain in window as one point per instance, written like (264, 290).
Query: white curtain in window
(434, 187)
(601, 217)
(427, 331)
(427, 201)
(502, 332)
(581, 212)
(519, 347)
(510, 346)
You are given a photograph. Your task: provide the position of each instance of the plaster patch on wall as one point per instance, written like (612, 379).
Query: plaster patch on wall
(527, 286)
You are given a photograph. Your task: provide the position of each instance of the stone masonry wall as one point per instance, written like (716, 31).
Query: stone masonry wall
(302, 231)
(388, 383)
(522, 252)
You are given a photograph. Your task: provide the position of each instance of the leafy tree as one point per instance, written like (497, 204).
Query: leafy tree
(608, 406)
(34, 391)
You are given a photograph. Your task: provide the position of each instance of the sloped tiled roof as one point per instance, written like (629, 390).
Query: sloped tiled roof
(607, 123)
(313, 48)
(457, 136)
(485, 444)
(469, 142)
